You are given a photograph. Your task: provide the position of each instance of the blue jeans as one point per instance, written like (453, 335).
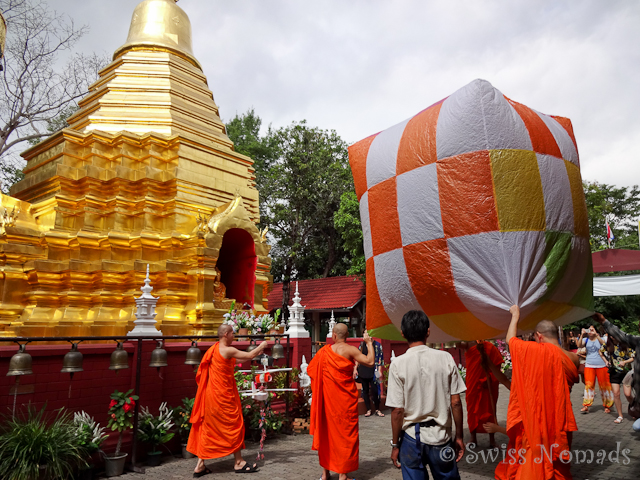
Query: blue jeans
(636, 425)
(415, 456)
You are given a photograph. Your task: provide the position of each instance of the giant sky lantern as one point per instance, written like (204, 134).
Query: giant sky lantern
(144, 175)
(471, 206)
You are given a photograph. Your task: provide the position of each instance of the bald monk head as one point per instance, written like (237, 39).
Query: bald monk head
(340, 333)
(546, 332)
(223, 334)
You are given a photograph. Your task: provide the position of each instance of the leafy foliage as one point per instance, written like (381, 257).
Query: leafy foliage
(299, 406)
(181, 417)
(10, 173)
(347, 222)
(251, 410)
(620, 206)
(89, 433)
(301, 173)
(33, 439)
(155, 430)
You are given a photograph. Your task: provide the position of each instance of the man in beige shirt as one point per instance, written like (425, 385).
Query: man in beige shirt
(424, 390)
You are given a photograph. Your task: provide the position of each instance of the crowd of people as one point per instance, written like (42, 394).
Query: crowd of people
(424, 393)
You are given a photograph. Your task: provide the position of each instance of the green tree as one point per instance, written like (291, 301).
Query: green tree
(620, 206)
(347, 222)
(244, 131)
(302, 190)
(301, 173)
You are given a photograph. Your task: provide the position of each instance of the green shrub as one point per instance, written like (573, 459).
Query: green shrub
(34, 438)
(155, 430)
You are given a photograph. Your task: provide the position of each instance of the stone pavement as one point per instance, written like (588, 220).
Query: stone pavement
(290, 457)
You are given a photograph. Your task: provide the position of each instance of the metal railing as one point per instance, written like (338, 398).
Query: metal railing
(138, 339)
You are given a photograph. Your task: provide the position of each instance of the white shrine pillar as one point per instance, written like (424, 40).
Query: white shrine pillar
(145, 323)
(332, 323)
(296, 318)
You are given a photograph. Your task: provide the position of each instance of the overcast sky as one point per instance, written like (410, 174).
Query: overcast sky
(360, 66)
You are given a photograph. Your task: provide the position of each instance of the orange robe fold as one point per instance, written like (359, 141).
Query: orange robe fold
(481, 396)
(540, 413)
(217, 428)
(334, 411)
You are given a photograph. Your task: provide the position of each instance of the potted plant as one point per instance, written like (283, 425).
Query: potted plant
(267, 324)
(34, 444)
(90, 436)
(155, 431)
(120, 419)
(242, 322)
(181, 416)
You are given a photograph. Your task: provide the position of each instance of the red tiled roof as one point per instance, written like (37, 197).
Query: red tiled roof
(332, 293)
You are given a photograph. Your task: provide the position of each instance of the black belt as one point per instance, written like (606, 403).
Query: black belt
(428, 423)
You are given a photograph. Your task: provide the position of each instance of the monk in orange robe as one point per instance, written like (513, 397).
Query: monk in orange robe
(334, 404)
(217, 428)
(540, 418)
(482, 388)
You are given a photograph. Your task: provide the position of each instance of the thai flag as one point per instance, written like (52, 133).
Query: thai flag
(610, 236)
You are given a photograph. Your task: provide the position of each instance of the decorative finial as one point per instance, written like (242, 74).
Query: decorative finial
(146, 288)
(332, 323)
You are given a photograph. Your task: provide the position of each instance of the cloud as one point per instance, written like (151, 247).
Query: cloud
(361, 66)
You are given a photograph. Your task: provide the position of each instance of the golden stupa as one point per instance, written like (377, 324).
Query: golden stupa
(145, 174)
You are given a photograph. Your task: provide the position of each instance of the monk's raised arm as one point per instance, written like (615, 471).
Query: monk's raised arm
(367, 360)
(513, 326)
(241, 355)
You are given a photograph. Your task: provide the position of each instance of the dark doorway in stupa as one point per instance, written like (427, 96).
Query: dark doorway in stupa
(237, 263)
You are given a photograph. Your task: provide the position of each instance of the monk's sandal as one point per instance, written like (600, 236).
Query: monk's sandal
(202, 473)
(247, 468)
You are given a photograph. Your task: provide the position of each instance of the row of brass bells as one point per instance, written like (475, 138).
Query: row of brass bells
(20, 363)
(72, 361)
(119, 358)
(159, 356)
(277, 352)
(194, 355)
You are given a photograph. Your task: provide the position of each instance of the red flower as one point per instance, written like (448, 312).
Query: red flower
(126, 407)
(113, 415)
(132, 401)
(113, 403)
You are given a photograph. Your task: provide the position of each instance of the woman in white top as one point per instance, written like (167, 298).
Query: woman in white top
(596, 367)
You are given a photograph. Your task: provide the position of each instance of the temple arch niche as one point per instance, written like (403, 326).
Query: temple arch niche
(237, 263)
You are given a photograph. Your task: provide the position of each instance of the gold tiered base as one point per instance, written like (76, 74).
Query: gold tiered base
(73, 262)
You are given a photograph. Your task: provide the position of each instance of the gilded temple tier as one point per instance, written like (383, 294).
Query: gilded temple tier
(145, 174)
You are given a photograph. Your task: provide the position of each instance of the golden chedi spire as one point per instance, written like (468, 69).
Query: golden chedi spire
(154, 84)
(159, 24)
(144, 175)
